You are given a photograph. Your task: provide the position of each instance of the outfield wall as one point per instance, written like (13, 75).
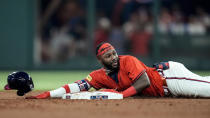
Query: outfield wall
(17, 35)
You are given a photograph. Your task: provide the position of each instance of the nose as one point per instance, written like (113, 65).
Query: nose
(114, 57)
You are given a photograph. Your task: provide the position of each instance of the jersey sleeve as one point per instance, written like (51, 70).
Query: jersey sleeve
(134, 67)
(92, 79)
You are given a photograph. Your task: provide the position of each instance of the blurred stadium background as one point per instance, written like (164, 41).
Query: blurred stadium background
(54, 40)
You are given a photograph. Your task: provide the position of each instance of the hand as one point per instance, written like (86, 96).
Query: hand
(40, 96)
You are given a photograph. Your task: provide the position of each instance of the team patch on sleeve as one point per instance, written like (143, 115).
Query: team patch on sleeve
(83, 85)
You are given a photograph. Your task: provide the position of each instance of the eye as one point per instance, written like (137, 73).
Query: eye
(114, 53)
(107, 56)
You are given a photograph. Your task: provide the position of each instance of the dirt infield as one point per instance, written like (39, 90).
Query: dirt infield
(12, 106)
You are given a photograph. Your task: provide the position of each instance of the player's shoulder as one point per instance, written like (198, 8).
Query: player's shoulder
(95, 75)
(97, 72)
(127, 58)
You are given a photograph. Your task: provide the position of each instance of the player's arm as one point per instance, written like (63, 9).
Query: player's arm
(141, 83)
(81, 85)
(137, 72)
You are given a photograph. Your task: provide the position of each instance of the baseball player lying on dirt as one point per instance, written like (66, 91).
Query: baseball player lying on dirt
(128, 76)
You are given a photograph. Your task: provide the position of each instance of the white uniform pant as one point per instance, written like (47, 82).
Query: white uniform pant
(182, 82)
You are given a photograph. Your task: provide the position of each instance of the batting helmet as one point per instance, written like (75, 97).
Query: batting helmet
(20, 81)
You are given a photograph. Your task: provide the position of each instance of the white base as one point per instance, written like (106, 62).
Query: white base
(93, 95)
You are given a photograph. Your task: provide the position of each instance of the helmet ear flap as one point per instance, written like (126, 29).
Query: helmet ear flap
(31, 83)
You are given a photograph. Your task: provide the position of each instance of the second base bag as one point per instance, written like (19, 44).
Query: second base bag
(93, 95)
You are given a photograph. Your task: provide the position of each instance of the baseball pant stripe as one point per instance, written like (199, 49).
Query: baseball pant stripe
(188, 79)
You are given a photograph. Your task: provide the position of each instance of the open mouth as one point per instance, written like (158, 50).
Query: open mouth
(114, 63)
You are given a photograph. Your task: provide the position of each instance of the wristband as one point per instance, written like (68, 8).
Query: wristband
(129, 92)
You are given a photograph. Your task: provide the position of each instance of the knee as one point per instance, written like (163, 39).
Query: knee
(177, 64)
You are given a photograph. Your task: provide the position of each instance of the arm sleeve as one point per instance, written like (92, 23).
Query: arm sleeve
(134, 68)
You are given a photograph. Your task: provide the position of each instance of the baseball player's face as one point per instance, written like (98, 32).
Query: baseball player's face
(110, 59)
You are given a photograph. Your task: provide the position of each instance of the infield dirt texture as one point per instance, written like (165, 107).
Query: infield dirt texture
(12, 106)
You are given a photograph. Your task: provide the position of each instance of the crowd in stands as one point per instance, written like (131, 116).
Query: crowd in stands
(64, 34)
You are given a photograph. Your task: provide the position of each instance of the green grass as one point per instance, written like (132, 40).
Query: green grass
(202, 73)
(48, 80)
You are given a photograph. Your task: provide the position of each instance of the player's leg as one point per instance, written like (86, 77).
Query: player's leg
(177, 69)
(206, 77)
(188, 87)
(182, 82)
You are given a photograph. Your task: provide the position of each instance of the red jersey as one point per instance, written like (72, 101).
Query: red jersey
(130, 69)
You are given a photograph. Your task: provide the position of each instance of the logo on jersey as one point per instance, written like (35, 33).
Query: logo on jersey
(89, 78)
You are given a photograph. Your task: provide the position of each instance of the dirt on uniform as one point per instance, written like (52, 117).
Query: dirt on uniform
(13, 106)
